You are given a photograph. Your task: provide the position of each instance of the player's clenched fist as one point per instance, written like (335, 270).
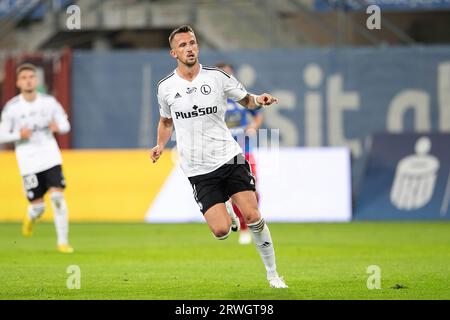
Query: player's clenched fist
(25, 133)
(156, 153)
(265, 100)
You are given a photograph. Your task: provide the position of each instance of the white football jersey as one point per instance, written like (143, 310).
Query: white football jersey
(40, 152)
(198, 109)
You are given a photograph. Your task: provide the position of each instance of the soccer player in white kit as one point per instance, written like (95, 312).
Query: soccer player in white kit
(30, 120)
(193, 99)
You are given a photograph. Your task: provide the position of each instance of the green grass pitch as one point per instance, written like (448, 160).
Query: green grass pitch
(183, 261)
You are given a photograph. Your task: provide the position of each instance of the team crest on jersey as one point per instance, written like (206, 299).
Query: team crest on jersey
(190, 90)
(205, 89)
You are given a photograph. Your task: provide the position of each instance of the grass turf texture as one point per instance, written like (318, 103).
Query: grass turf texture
(183, 261)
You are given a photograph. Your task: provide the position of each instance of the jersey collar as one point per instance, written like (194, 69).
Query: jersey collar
(193, 80)
(21, 97)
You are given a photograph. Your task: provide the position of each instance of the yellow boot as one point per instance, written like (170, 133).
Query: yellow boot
(27, 226)
(65, 248)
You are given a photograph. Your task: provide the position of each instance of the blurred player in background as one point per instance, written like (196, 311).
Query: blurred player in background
(193, 100)
(30, 120)
(237, 120)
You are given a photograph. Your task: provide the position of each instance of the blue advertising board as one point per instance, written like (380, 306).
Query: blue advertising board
(407, 177)
(327, 97)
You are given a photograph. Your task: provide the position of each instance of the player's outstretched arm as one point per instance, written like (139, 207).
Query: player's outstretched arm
(165, 129)
(251, 101)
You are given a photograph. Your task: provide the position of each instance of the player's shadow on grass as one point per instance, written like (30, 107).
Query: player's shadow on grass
(240, 293)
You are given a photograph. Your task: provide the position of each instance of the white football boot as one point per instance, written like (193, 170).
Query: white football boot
(275, 281)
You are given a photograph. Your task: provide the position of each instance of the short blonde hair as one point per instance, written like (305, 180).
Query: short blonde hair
(25, 66)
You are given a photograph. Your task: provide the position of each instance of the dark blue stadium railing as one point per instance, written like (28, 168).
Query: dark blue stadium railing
(30, 9)
(388, 5)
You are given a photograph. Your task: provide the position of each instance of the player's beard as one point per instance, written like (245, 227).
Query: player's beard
(29, 90)
(190, 62)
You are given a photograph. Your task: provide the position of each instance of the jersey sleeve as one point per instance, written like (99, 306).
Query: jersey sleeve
(8, 131)
(60, 117)
(233, 89)
(164, 109)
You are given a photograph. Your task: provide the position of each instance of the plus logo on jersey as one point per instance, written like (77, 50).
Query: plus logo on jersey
(197, 112)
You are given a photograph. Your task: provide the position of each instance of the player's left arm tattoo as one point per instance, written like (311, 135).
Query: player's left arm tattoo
(248, 102)
(251, 101)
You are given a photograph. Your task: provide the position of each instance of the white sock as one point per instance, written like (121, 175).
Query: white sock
(36, 210)
(264, 245)
(61, 217)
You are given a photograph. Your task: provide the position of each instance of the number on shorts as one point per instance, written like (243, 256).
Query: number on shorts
(30, 182)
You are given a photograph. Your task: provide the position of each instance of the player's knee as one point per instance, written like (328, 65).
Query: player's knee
(221, 233)
(252, 216)
(36, 209)
(57, 198)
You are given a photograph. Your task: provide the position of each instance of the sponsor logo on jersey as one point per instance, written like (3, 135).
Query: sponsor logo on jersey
(205, 89)
(190, 90)
(197, 112)
(177, 96)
